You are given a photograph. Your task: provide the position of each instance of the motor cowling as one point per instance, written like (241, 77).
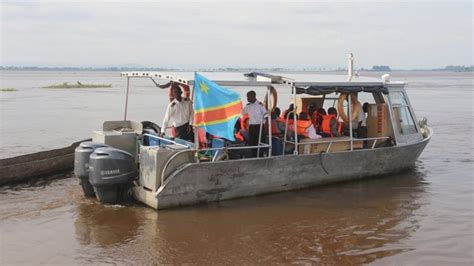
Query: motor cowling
(112, 172)
(81, 164)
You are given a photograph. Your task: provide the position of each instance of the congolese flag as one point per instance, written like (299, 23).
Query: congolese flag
(216, 109)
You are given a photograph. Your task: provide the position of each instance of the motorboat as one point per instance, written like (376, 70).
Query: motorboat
(130, 159)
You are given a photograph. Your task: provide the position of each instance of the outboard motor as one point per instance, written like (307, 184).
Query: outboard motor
(81, 164)
(112, 172)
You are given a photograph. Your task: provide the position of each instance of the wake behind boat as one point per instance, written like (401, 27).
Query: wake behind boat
(128, 157)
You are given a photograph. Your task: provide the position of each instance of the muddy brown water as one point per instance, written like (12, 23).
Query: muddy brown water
(423, 215)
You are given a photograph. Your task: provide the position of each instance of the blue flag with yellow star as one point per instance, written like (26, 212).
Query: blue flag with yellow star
(216, 109)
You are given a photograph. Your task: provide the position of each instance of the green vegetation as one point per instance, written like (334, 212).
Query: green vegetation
(9, 89)
(78, 85)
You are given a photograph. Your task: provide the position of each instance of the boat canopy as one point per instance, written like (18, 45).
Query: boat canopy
(187, 78)
(320, 90)
(310, 83)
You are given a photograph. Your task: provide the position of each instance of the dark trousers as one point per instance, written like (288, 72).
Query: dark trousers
(254, 131)
(362, 134)
(184, 132)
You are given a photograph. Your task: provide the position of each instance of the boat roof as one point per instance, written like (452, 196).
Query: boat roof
(316, 83)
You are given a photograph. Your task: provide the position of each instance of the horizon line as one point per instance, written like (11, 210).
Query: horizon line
(116, 68)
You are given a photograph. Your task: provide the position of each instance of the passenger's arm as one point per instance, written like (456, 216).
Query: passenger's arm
(164, 86)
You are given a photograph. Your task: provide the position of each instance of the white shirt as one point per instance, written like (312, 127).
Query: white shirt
(360, 117)
(178, 113)
(312, 133)
(256, 112)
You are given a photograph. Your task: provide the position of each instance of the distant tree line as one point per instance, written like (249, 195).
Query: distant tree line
(457, 68)
(381, 68)
(39, 68)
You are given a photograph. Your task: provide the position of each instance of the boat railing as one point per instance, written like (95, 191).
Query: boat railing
(296, 142)
(163, 172)
(179, 146)
(375, 139)
(225, 149)
(263, 144)
(285, 134)
(260, 145)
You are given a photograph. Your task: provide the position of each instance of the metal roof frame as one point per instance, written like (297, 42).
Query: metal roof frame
(190, 82)
(256, 79)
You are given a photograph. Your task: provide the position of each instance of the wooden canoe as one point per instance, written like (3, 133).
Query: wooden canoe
(30, 166)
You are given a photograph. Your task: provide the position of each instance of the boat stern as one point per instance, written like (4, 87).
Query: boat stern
(155, 164)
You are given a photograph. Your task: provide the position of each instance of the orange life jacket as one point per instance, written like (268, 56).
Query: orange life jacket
(238, 136)
(275, 129)
(244, 122)
(301, 127)
(317, 119)
(326, 125)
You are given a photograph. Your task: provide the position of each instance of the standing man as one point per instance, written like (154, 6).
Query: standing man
(180, 114)
(256, 112)
(359, 124)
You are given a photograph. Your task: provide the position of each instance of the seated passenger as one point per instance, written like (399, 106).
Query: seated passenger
(277, 111)
(278, 124)
(317, 119)
(285, 113)
(305, 128)
(330, 126)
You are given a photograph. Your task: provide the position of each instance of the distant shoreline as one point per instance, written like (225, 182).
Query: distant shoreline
(124, 69)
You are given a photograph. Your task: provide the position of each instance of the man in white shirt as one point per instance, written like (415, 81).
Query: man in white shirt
(179, 114)
(256, 112)
(359, 125)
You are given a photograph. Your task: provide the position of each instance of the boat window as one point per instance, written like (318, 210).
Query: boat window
(402, 115)
(331, 100)
(398, 98)
(366, 98)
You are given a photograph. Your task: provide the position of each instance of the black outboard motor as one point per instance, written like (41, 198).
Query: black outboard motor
(112, 172)
(81, 164)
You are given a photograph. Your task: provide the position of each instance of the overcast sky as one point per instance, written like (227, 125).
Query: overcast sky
(239, 34)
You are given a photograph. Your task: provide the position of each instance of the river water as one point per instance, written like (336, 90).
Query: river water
(424, 215)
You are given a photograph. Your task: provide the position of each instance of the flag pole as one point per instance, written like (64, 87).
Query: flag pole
(196, 129)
